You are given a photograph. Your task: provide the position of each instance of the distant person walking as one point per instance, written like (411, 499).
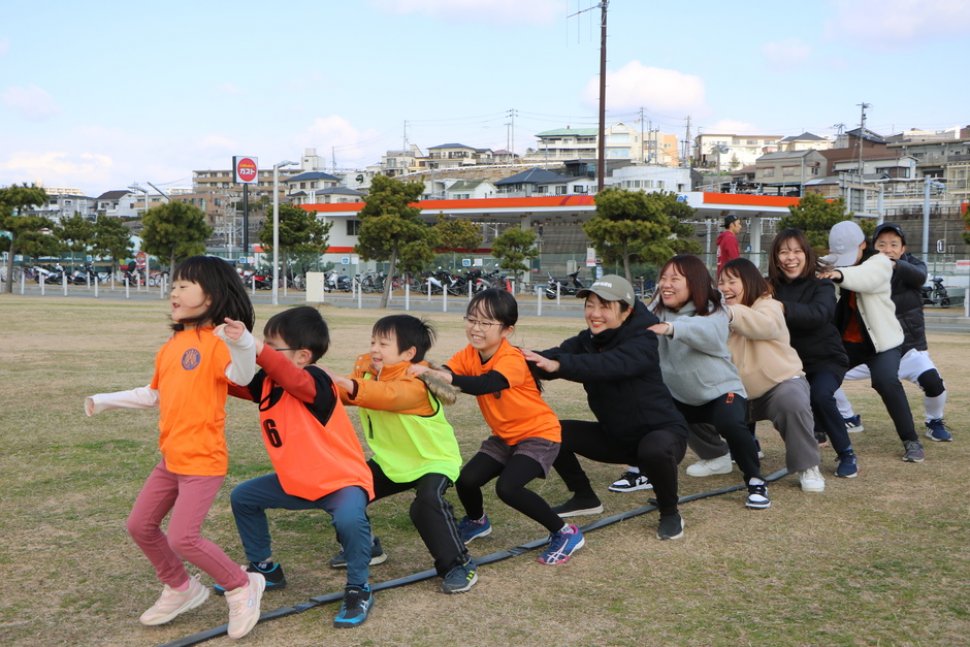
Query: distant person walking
(727, 241)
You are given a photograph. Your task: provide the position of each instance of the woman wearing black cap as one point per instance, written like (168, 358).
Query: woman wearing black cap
(637, 423)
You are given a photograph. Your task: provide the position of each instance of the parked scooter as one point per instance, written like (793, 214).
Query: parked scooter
(936, 294)
(565, 289)
(337, 282)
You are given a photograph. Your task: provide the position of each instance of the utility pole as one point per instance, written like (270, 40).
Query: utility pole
(404, 144)
(601, 141)
(511, 124)
(601, 151)
(685, 162)
(862, 134)
(643, 155)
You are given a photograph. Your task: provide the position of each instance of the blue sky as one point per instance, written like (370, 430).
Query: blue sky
(98, 95)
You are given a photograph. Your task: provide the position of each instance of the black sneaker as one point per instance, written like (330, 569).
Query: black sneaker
(377, 556)
(579, 506)
(671, 526)
(630, 482)
(272, 572)
(357, 603)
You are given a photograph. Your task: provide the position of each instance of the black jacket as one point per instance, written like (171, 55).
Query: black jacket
(909, 275)
(620, 371)
(810, 314)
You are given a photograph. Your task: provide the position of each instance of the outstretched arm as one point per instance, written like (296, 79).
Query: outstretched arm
(242, 350)
(144, 397)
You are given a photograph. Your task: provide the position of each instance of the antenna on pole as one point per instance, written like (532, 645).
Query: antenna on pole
(601, 140)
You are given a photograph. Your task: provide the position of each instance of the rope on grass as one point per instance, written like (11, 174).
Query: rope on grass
(420, 576)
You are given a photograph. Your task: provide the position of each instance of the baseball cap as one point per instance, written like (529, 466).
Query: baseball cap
(888, 226)
(610, 287)
(728, 219)
(844, 240)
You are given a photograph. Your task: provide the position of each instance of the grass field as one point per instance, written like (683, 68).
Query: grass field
(878, 560)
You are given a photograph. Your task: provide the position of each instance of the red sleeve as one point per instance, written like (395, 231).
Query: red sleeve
(294, 380)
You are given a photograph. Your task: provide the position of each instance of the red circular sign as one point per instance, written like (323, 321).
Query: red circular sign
(246, 169)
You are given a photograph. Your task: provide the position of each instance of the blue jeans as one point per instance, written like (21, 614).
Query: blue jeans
(347, 508)
(824, 383)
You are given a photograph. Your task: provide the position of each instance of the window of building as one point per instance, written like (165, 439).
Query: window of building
(353, 227)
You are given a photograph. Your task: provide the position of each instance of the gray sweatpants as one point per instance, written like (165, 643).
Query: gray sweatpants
(789, 409)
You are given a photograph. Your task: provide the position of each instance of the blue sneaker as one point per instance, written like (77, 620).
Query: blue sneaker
(470, 529)
(357, 603)
(461, 578)
(848, 465)
(853, 425)
(562, 545)
(272, 572)
(936, 430)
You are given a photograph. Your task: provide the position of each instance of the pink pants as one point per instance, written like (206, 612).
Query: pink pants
(189, 499)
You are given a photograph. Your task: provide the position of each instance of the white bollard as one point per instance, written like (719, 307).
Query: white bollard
(558, 296)
(429, 291)
(96, 281)
(444, 299)
(43, 284)
(64, 282)
(407, 296)
(253, 286)
(127, 288)
(360, 299)
(966, 302)
(23, 281)
(539, 292)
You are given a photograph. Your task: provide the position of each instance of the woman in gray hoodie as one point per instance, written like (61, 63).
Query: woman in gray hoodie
(696, 363)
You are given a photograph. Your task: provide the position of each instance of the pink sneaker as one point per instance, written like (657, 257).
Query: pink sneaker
(244, 605)
(171, 603)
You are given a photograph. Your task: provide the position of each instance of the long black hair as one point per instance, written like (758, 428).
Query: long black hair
(223, 287)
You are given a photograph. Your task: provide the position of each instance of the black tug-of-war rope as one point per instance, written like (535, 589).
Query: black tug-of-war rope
(420, 576)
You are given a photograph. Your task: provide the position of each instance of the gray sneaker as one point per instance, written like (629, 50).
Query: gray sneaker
(461, 578)
(914, 452)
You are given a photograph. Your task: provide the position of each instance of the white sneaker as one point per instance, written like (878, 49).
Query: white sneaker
(244, 605)
(719, 465)
(172, 603)
(812, 480)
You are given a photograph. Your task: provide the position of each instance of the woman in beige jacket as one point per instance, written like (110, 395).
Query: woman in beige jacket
(770, 368)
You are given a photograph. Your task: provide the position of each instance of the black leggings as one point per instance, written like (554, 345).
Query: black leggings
(657, 453)
(510, 488)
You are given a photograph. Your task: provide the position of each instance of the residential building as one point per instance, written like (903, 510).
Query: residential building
(537, 181)
(456, 155)
(649, 178)
(805, 141)
(302, 188)
(785, 172)
(61, 206)
(728, 151)
(623, 142)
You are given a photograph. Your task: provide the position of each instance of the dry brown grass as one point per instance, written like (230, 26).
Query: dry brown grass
(879, 560)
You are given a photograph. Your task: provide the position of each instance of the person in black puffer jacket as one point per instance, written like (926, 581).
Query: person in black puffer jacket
(916, 366)
(809, 305)
(637, 422)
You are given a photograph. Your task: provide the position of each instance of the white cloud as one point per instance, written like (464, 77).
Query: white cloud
(228, 88)
(891, 23)
(733, 126)
(542, 12)
(59, 169)
(656, 89)
(786, 54)
(32, 102)
(335, 135)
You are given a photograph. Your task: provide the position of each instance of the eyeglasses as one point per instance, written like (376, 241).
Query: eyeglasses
(484, 325)
(279, 350)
